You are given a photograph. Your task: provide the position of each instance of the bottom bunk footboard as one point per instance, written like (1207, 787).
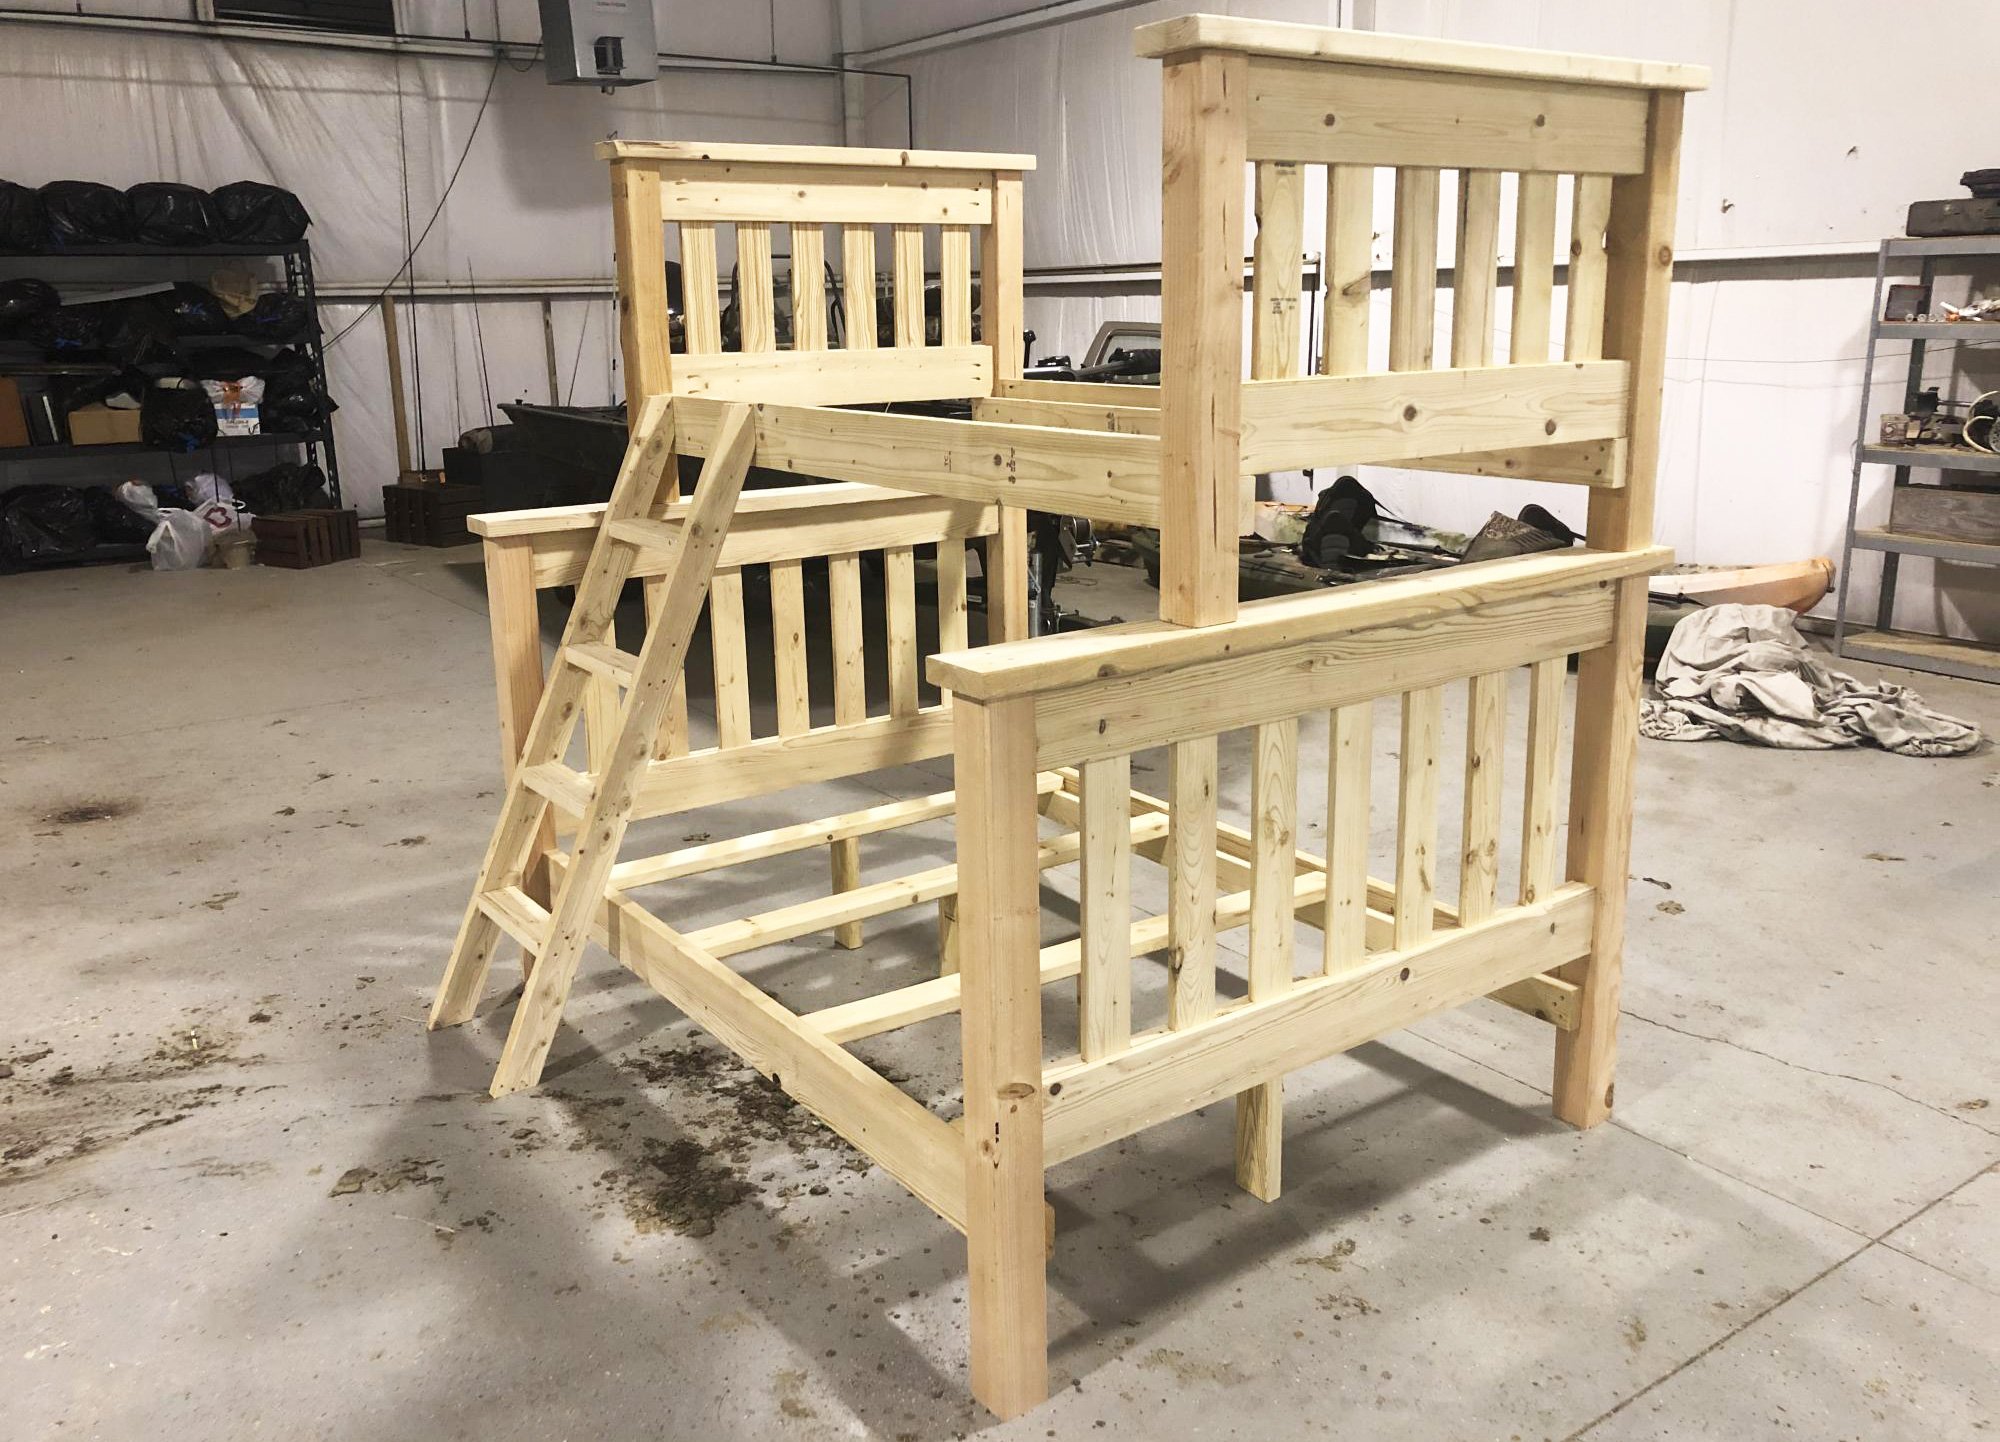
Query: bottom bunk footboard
(1390, 952)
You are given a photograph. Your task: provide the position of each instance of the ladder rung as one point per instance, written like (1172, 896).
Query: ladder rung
(660, 536)
(519, 915)
(567, 790)
(601, 658)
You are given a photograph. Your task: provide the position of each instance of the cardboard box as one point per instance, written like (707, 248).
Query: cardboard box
(235, 419)
(13, 416)
(102, 426)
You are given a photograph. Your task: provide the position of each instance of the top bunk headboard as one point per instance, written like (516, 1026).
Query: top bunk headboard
(785, 354)
(1488, 123)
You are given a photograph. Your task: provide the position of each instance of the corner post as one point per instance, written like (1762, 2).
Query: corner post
(1639, 274)
(1001, 1031)
(1205, 142)
(515, 623)
(1002, 264)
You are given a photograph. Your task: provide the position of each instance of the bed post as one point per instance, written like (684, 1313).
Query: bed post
(1001, 267)
(999, 938)
(1639, 274)
(1205, 137)
(644, 333)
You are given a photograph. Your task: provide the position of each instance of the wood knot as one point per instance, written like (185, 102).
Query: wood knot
(1016, 1091)
(1409, 413)
(1666, 255)
(1549, 428)
(1540, 121)
(1330, 121)
(1403, 975)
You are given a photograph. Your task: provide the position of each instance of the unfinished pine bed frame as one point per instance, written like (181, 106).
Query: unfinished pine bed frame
(1046, 728)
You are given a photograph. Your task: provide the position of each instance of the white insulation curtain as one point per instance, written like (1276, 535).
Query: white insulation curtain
(343, 129)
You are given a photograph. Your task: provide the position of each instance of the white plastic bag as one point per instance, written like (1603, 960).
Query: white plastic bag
(138, 497)
(180, 541)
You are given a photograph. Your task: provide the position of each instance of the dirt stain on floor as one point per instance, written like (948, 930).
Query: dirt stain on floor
(686, 1183)
(82, 813)
(52, 1114)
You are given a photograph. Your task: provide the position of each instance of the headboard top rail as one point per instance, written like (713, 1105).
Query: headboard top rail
(1284, 40)
(843, 155)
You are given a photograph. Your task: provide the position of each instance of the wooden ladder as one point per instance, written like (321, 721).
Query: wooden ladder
(603, 799)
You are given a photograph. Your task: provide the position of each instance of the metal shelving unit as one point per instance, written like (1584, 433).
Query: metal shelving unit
(298, 272)
(1882, 642)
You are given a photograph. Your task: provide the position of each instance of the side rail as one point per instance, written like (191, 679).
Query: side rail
(1392, 950)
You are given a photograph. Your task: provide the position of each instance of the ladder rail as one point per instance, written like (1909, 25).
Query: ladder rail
(614, 790)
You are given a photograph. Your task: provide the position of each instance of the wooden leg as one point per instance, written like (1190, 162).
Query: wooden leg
(1274, 808)
(1001, 1030)
(1600, 847)
(846, 858)
(1007, 577)
(948, 935)
(516, 625)
(1260, 1139)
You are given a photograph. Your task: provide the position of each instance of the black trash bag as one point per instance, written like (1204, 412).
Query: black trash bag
(1338, 524)
(82, 212)
(126, 385)
(276, 317)
(40, 524)
(194, 310)
(137, 332)
(116, 523)
(294, 403)
(164, 213)
(24, 299)
(23, 225)
(249, 212)
(286, 486)
(68, 331)
(225, 363)
(177, 417)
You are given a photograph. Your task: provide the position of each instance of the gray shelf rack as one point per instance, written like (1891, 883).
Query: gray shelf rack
(1881, 642)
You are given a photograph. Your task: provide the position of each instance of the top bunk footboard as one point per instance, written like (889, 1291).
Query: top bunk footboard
(819, 337)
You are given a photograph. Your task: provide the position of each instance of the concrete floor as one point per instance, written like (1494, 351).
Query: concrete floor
(245, 1194)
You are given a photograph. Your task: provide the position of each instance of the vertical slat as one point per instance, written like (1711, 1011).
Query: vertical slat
(1001, 1040)
(1416, 816)
(1413, 277)
(1485, 756)
(857, 274)
(1104, 986)
(1475, 268)
(1191, 882)
(731, 655)
(755, 298)
(1278, 262)
(788, 647)
(1349, 268)
(899, 569)
(850, 677)
(909, 298)
(808, 287)
(1205, 137)
(1274, 824)
(850, 705)
(1583, 318)
(955, 285)
(1534, 267)
(953, 634)
(1350, 749)
(701, 288)
(1639, 261)
(1538, 810)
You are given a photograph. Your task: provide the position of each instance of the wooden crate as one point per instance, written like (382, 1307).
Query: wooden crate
(430, 515)
(298, 540)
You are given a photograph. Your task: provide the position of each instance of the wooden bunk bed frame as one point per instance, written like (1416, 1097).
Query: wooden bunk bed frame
(1047, 727)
